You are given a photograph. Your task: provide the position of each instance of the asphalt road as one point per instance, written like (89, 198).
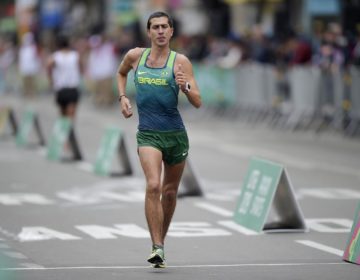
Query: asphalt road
(59, 220)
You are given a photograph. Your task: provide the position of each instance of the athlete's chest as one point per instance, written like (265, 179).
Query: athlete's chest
(154, 76)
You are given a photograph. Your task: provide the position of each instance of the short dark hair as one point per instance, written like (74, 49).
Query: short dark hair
(157, 15)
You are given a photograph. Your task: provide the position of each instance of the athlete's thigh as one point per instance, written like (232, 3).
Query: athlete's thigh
(151, 162)
(172, 174)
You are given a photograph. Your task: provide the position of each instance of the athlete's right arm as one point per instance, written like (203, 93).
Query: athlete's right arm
(128, 63)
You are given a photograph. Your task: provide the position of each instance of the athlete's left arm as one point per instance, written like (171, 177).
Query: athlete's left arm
(184, 74)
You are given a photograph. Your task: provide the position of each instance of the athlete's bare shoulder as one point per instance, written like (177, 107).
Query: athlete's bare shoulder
(183, 61)
(131, 59)
(181, 58)
(135, 53)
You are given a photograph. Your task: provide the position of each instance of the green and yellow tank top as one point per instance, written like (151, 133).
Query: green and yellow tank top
(157, 95)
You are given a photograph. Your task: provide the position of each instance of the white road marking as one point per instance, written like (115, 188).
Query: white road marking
(219, 197)
(330, 225)
(8, 234)
(15, 255)
(42, 151)
(31, 265)
(328, 193)
(173, 266)
(21, 198)
(85, 166)
(214, 209)
(238, 228)
(321, 247)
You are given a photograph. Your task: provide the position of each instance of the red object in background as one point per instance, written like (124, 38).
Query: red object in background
(10, 10)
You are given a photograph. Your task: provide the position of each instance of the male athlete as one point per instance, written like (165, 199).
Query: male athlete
(161, 138)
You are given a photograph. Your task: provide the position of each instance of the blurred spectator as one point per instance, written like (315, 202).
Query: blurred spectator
(233, 55)
(64, 70)
(101, 67)
(356, 52)
(217, 48)
(340, 42)
(7, 60)
(197, 48)
(299, 50)
(29, 64)
(260, 47)
(329, 58)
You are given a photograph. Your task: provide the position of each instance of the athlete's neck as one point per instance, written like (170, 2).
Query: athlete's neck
(158, 56)
(159, 52)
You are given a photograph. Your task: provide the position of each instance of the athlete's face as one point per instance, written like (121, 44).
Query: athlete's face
(160, 31)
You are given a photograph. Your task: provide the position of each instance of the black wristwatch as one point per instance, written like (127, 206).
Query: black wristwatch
(187, 88)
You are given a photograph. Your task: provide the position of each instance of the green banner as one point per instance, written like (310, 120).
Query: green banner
(108, 147)
(352, 251)
(217, 85)
(58, 138)
(257, 193)
(26, 124)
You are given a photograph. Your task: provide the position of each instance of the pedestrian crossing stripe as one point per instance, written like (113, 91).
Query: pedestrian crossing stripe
(267, 201)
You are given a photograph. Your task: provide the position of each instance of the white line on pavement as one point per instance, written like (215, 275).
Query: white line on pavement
(85, 166)
(321, 247)
(215, 209)
(15, 255)
(171, 266)
(32, 265)
(238, 228)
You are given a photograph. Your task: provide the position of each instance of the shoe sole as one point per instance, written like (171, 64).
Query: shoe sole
(155, 259)
(159, 265)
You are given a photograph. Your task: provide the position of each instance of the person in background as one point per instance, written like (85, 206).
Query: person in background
(101, 67)
(29, 64)
(64, 70)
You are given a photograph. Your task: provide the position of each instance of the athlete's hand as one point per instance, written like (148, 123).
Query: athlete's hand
(126, 107)
(180, 77)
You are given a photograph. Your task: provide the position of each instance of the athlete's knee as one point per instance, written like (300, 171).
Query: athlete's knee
(169, 194)
(153, 188)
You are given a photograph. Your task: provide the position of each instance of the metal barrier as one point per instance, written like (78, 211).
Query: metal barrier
(355, 101)
(252, 91)
(304, 91)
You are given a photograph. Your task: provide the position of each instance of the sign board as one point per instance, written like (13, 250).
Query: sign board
(63, 137)
(29, 121)
(190, 184)
(317, 7)
(352, 251)
(267, 201)
(7, 117)
(112, 144)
